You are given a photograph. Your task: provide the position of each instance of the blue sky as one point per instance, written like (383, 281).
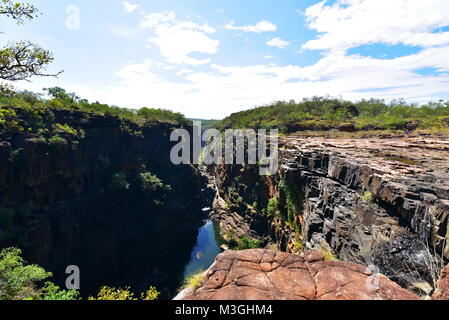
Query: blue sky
(208, 59)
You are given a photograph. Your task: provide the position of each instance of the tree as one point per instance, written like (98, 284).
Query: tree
(20, 281)
(22, 60)
(18, 11)
(62, 94)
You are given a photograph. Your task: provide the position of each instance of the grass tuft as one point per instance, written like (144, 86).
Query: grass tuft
(195, 280)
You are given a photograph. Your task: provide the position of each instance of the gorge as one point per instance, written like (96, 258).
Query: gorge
(102, 195)
(100, 192)
(381, 202)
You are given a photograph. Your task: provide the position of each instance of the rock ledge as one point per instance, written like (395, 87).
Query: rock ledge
(260, 274)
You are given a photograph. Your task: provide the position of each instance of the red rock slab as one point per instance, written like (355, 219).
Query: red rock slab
(260, 274)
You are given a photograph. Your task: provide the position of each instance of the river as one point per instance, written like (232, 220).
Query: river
(206, 249)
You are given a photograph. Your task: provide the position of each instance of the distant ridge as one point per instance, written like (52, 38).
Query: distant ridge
(206, 124)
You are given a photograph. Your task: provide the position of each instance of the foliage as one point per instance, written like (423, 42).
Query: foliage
(159, 114)
(368, 197)
(22, 60)
(328, 255)
(206, 124)
(273, 208)
(54, 293)
(108, 293)
(19, 281)
(65, 128)
(298, 245)
(57, 140)
(293, 199)
(241, 243)
(246, 242)
(36, 112)
(18, 11)
(195, 280)
(151, 182)
(151, 294)
(119, 182)
(325, 113)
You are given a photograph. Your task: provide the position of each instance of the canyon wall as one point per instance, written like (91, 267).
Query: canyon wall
(382, 203)
(108, 201)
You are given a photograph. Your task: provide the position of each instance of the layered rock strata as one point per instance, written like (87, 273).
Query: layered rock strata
(380, 202)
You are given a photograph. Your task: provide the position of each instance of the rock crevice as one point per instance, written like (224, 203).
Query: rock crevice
(377, 202)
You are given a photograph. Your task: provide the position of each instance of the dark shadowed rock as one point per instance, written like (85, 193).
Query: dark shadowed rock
(382, 202)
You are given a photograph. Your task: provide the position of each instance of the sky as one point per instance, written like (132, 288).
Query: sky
(210, 58)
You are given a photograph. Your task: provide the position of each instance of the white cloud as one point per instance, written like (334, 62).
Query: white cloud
(278, 43)
(123, 32)
(351, 23)
(130, 7)
(222, 90)
(177, 39)
(260, 27)
(217, 90)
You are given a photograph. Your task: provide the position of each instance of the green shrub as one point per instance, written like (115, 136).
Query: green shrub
(65, 128)
(328, 254)
(150, 182)
(368, 197)
(246, 242)
(298, 245)
(57, 140)
(53, 292)
(273, 207)
(325, 113)
(195, 280)
(293, 199)
(19, 281)
(109, 293)
(119, 182)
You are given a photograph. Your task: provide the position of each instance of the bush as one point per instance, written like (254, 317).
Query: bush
(195, 280)
(368, 197)
(150, 182)
(119, 182)
(108, 293)
(57, 140)
(248, 243)
(273, 207)
(326, 113)
(54, 293)
(328, 254)
(65, 128)
(19, 281)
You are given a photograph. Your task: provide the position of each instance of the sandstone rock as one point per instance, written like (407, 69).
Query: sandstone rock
(259, 274)
(381, 202)
(442, 292)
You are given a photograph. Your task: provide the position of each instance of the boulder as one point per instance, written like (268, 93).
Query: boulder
(260, 274)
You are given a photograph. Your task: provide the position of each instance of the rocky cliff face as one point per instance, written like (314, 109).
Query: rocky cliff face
(381, 202)
(109, 202)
